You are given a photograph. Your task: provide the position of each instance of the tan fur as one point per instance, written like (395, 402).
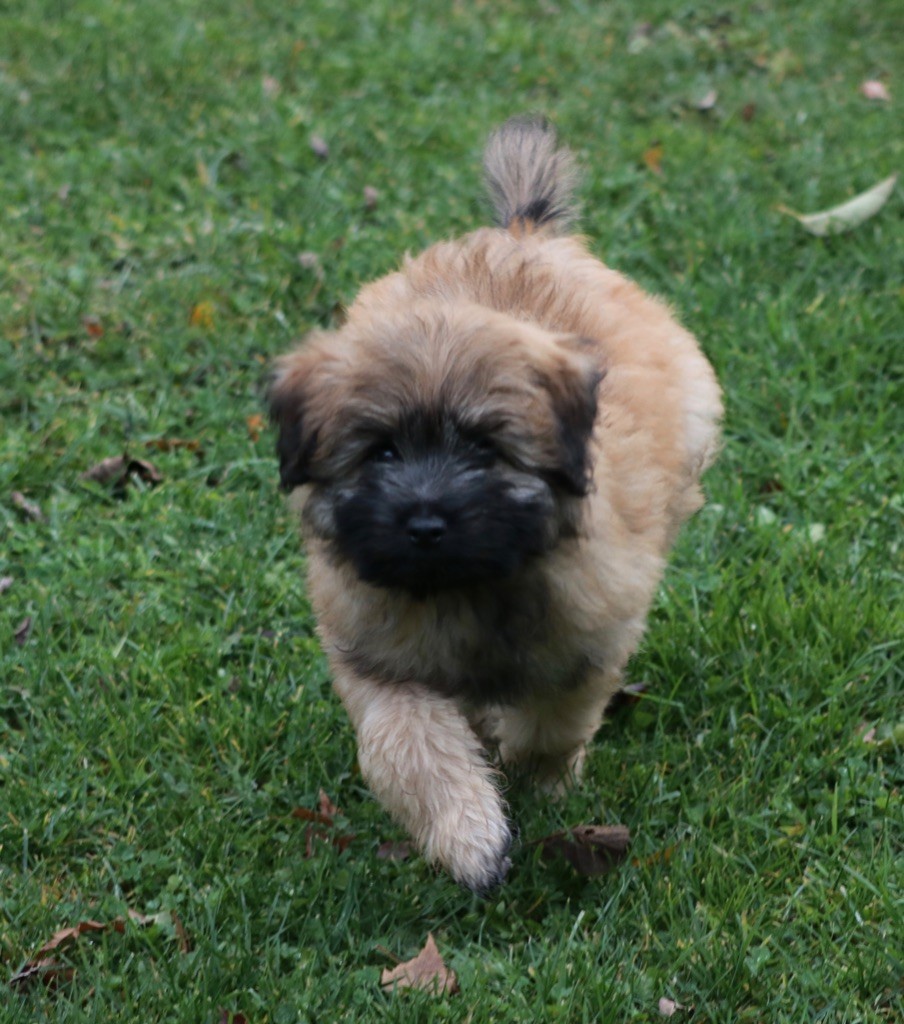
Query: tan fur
(499, 325)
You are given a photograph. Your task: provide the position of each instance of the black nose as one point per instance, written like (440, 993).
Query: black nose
(425, 531)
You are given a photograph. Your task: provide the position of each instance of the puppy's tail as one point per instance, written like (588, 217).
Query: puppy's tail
(530, 180)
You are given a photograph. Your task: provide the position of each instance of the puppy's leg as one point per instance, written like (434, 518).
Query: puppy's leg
(424, 764)
(549, 738)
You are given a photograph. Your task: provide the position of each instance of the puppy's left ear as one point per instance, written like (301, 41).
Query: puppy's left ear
(574, 387)
(296, 441)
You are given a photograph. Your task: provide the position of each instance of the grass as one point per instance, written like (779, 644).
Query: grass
(169, 707)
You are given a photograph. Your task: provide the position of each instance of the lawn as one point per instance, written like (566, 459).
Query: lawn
(185, 189)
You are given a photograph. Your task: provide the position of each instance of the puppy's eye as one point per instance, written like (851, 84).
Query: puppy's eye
(485, 449)
(384, 451)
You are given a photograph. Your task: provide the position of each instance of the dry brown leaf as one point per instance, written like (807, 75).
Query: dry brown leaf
(65, 935)
(653, 158)
(305, 814)
(589, 849)
(394, 850)
(49, 971)
(231, 1017)
(42, 967)
(118, 470)
(327, 807)
(255, 425)
(874, 90)
(171, 444)
(201, 315)
(106, 470)
(30, 508)
(426, 971)
(326, 816)
(748, 111)
(93, 326)
(23, 631)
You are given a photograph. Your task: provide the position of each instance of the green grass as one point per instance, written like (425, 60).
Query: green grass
(170, 707)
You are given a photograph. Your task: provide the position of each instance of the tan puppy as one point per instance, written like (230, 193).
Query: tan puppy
(492, 456)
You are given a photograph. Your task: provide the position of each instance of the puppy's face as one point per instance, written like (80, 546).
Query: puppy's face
(440, 448)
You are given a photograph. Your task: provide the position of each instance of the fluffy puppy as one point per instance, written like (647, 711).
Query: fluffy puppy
(492, 457)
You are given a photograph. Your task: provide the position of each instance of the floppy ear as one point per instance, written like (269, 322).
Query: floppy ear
(574, 386)
(295, 444)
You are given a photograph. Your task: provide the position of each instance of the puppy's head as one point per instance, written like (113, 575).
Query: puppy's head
(440, 448)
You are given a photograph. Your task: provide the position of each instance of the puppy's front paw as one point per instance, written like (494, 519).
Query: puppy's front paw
(475, 851)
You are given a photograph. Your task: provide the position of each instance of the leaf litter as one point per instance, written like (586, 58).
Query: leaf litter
(875, 90)
(846, 215)
(119, 470)
(325, 817)
(590, 849)
(30, 509)
(426, 972)
(50, 970)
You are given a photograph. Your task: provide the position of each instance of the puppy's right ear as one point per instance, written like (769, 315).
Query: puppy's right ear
(296, 442)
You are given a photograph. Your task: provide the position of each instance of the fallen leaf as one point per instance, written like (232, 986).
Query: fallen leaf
(42, 967)
(30, 508)
(589, 849)
(816, 533)
(93, 326)
(668, 1007)
(748, 111)
(201, 315)
(119, 469)
(326, 816)
(305, 814)
(846, 215)
(5, 583)
(426, 971)
(327, 807)
(391, 850)
(255, 425)
(231, 1017)
(310, 261)
(170, 444)
(653, 158)
(371, 197)
(66, 935)
(764, 516)
(771, 486)
(707, 101)
(319, 147)
(23, 630)
(874, 90)
(49, 971)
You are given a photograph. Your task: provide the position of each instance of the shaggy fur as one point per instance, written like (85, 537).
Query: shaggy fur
(492, 458)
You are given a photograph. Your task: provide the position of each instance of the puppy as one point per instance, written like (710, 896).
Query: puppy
(492, 457)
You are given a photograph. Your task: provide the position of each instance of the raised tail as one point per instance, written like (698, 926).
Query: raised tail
(530, 180)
